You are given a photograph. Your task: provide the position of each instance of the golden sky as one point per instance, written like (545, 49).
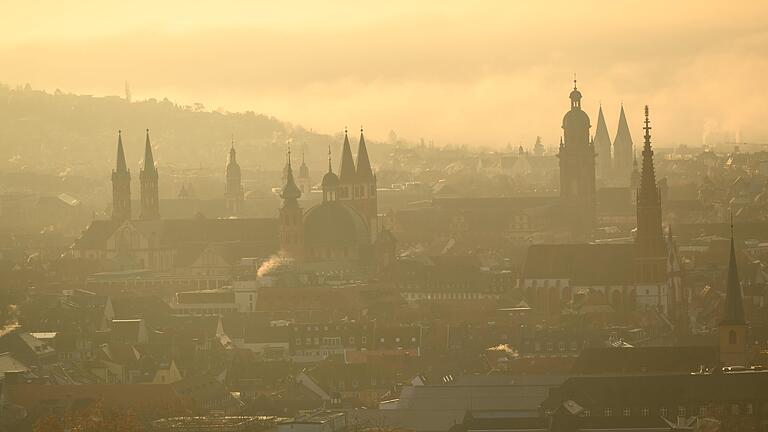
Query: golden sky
(475, 72)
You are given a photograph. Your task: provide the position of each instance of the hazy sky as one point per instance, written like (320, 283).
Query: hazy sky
(461, 72)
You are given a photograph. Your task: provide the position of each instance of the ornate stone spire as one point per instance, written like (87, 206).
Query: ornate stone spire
(649, 192)
(651, 250)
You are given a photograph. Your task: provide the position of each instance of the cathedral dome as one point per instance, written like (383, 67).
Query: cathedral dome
(330, 180)
(334, 224)
(575, 119)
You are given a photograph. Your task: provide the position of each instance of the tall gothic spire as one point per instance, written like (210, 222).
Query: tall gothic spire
(347, 169)
(149, 160)
(602, 144)
(121, 185)
(121, 167)
(733, 312)
(651, 249)
(649, 192)
(364, 171)
(622, 145)
(150, 201)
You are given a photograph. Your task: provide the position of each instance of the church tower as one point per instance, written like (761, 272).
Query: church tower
(622, 148)
(233, 189)
(365, 196)
(650, 248)
(291, 218)
(150, 202)
(603, 147)
(121, 185)
(733, 327)
(577, 170)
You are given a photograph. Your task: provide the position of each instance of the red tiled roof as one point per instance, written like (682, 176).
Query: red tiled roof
(136, 396)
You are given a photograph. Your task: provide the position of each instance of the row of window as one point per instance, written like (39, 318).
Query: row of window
(337, 341)
(681, 411)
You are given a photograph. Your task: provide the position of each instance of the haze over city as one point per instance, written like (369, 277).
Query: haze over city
(434, 216)
(487, 73)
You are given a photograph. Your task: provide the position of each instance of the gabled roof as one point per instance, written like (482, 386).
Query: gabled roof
(672, 359)
(656, 390)
(583, 264)
(96, 235)
(173, 232)
(123, 396)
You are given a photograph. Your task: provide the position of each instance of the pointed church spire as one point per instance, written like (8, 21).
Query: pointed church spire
(290, 192)
(121, 167)
(330, 167)
(733, 312)
(651, 248)
(622, 145)
(149, 160)
(602, 144)
(364, 171)
(347, 169)
(121, 185)
(649, 192)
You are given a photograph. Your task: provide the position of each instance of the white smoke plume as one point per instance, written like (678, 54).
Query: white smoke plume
(273, 263)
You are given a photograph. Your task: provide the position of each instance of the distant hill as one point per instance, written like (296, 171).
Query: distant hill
(52, 133)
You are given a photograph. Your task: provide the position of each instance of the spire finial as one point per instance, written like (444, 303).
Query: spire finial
(345, 130)
(361, 129)
(119, 132)
(330, 168)
(647, 127)
(574, 80)
(233, 140)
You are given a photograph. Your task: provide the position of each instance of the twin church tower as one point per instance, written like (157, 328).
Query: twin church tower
(121, 185)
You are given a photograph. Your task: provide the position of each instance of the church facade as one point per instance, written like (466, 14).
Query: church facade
(342, 230)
